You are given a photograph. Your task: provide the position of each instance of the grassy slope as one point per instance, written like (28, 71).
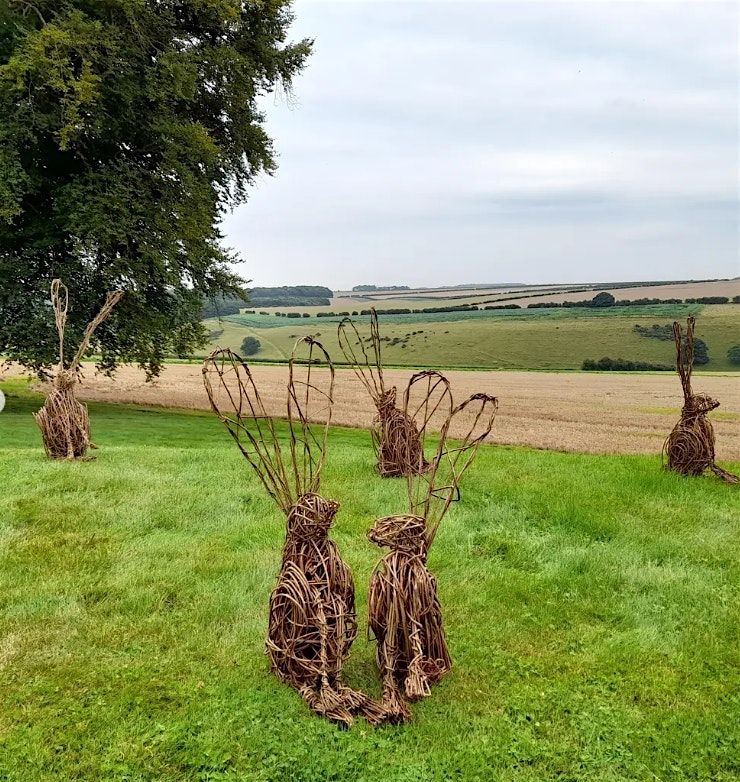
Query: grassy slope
(539, 339)
(590, 603)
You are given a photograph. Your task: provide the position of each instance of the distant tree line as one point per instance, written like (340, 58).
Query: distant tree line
(360, 288)
(656, 331)
(407, 311)
(601, 300)
(613, 286)
(402, 311)
(291, 296)
(665, 332)
(713, 300)
(219, 306)
(285, 296)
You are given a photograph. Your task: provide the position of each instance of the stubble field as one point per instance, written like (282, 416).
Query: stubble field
(584, 413)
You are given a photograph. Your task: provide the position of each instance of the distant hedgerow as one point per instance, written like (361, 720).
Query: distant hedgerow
(607, 364)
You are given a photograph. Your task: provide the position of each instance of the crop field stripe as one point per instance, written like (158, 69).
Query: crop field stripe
(580, 412)
(543, 339)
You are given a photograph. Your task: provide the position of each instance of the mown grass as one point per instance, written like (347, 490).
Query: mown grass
(547, 339)
(590, 603)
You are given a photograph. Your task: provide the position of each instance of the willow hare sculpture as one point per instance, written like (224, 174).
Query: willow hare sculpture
(64, 422)
(395, 436)
(404, 611)
(312, 618)
(689, 448)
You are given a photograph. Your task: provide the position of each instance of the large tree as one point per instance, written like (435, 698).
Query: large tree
(127, 127)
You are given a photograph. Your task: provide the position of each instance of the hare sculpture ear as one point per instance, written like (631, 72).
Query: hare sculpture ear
(111, 300)
(366, 363)
(469, 424)
(310, 402)
(60, 303)
(427, 404)
(684, 354)
(236, 401)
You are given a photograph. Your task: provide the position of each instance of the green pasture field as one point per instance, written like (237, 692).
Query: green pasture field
(503, 339)
(591, 606)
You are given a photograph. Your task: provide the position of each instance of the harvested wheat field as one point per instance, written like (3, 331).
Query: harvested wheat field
(678, 290)
(599, 413)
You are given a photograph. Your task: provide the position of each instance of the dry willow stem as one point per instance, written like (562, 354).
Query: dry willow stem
(689, 448)
(64, 422)
(404, 611)
(312, 621)
(395, 437)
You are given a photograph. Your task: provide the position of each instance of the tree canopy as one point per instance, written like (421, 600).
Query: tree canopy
(603, 299)
(250, 346)
(127, 128)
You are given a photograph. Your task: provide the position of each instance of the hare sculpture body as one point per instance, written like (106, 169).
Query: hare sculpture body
(411, 646)
(64, 422)
(689, 448)
(313, 621)
(396, 439)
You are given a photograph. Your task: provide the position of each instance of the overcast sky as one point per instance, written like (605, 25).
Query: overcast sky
(432, 143)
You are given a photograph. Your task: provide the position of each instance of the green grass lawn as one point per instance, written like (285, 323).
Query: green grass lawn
(590, 604)
(549, 339)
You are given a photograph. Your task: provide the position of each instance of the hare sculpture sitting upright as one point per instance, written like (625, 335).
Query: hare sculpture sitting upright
(404, 611)
(689, 448)
(64, 422)
(395, 436)
(312, 620)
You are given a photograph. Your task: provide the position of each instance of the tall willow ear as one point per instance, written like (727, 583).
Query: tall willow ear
(366, 363)
(310, 402)
(60, 304)
(236, 401)
(427, 405)
(689, 350)
(684, 354)
(111, 300)
(469, 424)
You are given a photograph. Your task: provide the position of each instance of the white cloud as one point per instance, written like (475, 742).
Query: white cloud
(540, 137)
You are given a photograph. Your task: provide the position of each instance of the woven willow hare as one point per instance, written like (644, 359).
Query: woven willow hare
(404, 610)
(395, 436)
(64, 422)
(312, 619)
(689, 449)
